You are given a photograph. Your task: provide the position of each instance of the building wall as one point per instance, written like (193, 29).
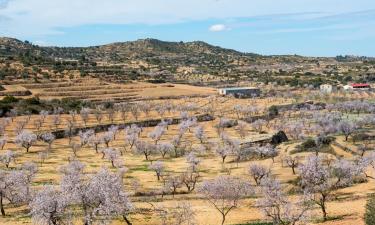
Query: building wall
(243, 92)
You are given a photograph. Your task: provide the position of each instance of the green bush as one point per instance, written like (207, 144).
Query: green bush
(370, 210)
(273, 111)
(308, 144)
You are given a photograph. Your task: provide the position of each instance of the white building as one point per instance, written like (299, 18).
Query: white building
(327, 88)
(240, 91)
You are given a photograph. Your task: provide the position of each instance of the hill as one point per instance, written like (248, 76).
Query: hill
(187, 62)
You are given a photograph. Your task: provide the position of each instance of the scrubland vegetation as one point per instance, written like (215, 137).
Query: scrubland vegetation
(110, 135)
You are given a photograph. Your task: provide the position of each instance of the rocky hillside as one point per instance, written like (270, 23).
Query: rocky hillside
(194, 62)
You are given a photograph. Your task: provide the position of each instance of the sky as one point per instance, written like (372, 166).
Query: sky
(269, 27)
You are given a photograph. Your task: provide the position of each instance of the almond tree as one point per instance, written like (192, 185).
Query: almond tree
(84, 136)
(75, 148)
(134, 110)
(8, 157)
(110, 199)
(42, 157)
(223, 151)
(132, 134)
(85, 113)
(48, 138)
(48, 206)
(199, 134)
(56, 120)
(98, 114)
(43, 115)
(322, 180)
(158, 167)
(20, 125)
(157, 133)
(99, 196)
(176, 142)
(114, 130)
(242, 129)
(107, 137)
(25, 139)
(193, 162)
(173, 183)
(112, 155)
(258, 172)
(258, 125)
(225, 193)
(14, 187)
(70, 129)
(94, 142)
(346, 128)
(164, 148)
(292, 162)
(190, 179)
(111, 113)
(3, 142)
(275, 204)
(145, 148)
(183, 213)
(12, 113)
(267, 151)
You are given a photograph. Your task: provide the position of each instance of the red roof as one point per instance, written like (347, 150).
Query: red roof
(360, 85)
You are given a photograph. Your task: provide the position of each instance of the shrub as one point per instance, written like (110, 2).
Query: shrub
(370, 210)
(273, 111)
(308, 144)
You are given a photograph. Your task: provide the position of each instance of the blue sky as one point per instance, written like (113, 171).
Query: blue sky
(305, 27)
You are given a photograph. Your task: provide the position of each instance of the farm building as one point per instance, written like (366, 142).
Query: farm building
(357, 87)
(327, 88)
(240, 91)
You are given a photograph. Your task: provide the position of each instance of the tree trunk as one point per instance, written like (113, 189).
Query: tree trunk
(323, 207)
(223, 219)
(126, 220)
(1, 205)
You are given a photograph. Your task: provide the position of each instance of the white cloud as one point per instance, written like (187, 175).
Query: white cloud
(218, 28)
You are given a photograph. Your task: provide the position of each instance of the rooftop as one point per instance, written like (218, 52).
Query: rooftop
(239, 88)
(360, 85)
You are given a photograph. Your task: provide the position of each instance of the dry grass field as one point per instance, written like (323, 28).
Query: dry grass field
(347, 207)
(98, 91)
